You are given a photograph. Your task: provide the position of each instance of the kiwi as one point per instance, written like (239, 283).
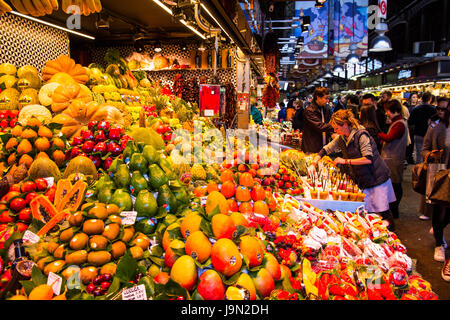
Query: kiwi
(93, 226)
(78, 257)
(111, 231)
(79, 241)
(99, 258)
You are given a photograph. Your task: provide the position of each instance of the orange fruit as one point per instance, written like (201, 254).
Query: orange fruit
(200, 191)
(223, 226)
(261, 207)
(228, 189)
(184, 272)
(216, 199)
(227, 175)
(252, 172)
(41, 292)
(42, 144)
(59, 157)
(190, 224)
(271, 202)
(264, 282)
(170, 256)
(225, 257)
(232, 205)
(239, 219)
(245, 207)
(246, 281)
(210, 286)
(251, 248)
(242, 194)
(246, 180)
(274, 219)
(166, 236)
(198, 246)
(212, 186)
(242, 168)
(258, 193)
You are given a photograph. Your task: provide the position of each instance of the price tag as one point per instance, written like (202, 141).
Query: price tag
(203, 201)
(50, 181)
(135, 293)
(29, 238)
(209, 113)
(128, 217)
(55, 282)
(360, 209)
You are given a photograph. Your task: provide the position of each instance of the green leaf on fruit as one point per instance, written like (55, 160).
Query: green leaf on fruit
(28, 285)
(126, 268)
(37, 276)
(149, 285)
(205, 226)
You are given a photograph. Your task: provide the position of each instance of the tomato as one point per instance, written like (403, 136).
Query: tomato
(15, 187)
(41, 184)
(21, 226)
(10, 195)
(30, 196)
(18, 204)
(5, 217)
(28, 186)
(25, 215)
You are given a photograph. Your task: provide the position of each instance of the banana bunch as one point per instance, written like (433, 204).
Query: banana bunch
(35, 8)
(4, 7)
(86, 6)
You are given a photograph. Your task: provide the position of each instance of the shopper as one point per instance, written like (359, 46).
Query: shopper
(282, 112)
(340, 103)
(256, 115)
(353, 104)
(316, 129)
(308, 101)
(437, 139)
(368, 119)
(394, 149)
(290, 110)
(381, 112)
(411, 104)
(298, 116)
(367, 168)
(419, 121)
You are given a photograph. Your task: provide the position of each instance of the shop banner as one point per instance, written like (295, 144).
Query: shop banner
(316, 38)
(350, 26)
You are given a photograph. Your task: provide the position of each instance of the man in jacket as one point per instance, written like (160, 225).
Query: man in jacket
(419, 120)
(316, 127)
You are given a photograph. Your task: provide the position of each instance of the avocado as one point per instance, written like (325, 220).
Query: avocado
(122, 199)
(103, 179)
(145, 204)
(157, 176)
(122, 177)
(165, 196)
(150, 154)
(115, 165)
(146, 225)
(129, 150)
(138, 183)
(138, 162)
(182, 196)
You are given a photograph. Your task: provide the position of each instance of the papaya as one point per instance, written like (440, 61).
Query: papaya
(74, 198)
(129, 150)
(122, 199)
(157, 176)
(122, 177)
(150, 154)
(63, 187)
(138, 183)
(115, 165)
(42, 209)
(145, 204)
(53, 222)
(166, 196)
(138, 162)
(83, 165)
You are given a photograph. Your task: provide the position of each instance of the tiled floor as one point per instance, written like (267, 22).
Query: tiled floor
(414, 234)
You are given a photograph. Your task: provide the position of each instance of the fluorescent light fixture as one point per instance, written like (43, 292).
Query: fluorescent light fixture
(162, 5)
(306, 21)
(193, 29)
(169, 11)
(214, 18)
(52, 25)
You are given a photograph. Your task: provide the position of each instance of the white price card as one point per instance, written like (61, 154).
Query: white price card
(203, 201)
(209, 112)
(128, 217)
(135, 293)
(55, 282)
(29, 238)
(50, 181)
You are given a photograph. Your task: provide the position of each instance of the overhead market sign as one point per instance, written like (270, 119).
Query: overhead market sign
(382, 13)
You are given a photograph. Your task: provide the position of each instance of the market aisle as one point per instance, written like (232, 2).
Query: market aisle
(414, 233)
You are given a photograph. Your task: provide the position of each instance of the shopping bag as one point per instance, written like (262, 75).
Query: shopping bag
(419, 176)
(440, 191)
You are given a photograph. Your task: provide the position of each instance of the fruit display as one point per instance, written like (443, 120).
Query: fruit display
(101, 143)
(33, 140)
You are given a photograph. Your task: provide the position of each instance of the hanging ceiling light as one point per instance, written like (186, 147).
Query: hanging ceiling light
(157, 47)
(304, 28)
(306, 21)
(319, 3)
(381, 43)
(202, 47)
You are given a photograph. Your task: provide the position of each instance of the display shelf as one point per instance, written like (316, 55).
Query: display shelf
(333, 204)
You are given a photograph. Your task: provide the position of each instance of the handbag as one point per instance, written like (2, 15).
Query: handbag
(440, 192)
(419, 176)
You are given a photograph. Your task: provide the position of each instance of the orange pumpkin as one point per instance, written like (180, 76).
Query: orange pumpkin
(64, 95)
(64, 64)
(78, 114)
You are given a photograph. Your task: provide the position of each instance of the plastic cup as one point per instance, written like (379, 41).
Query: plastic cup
(353, 196)
(323, 195)
(361, 197)
(314, 194)
(335, 195)
(344, 196)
